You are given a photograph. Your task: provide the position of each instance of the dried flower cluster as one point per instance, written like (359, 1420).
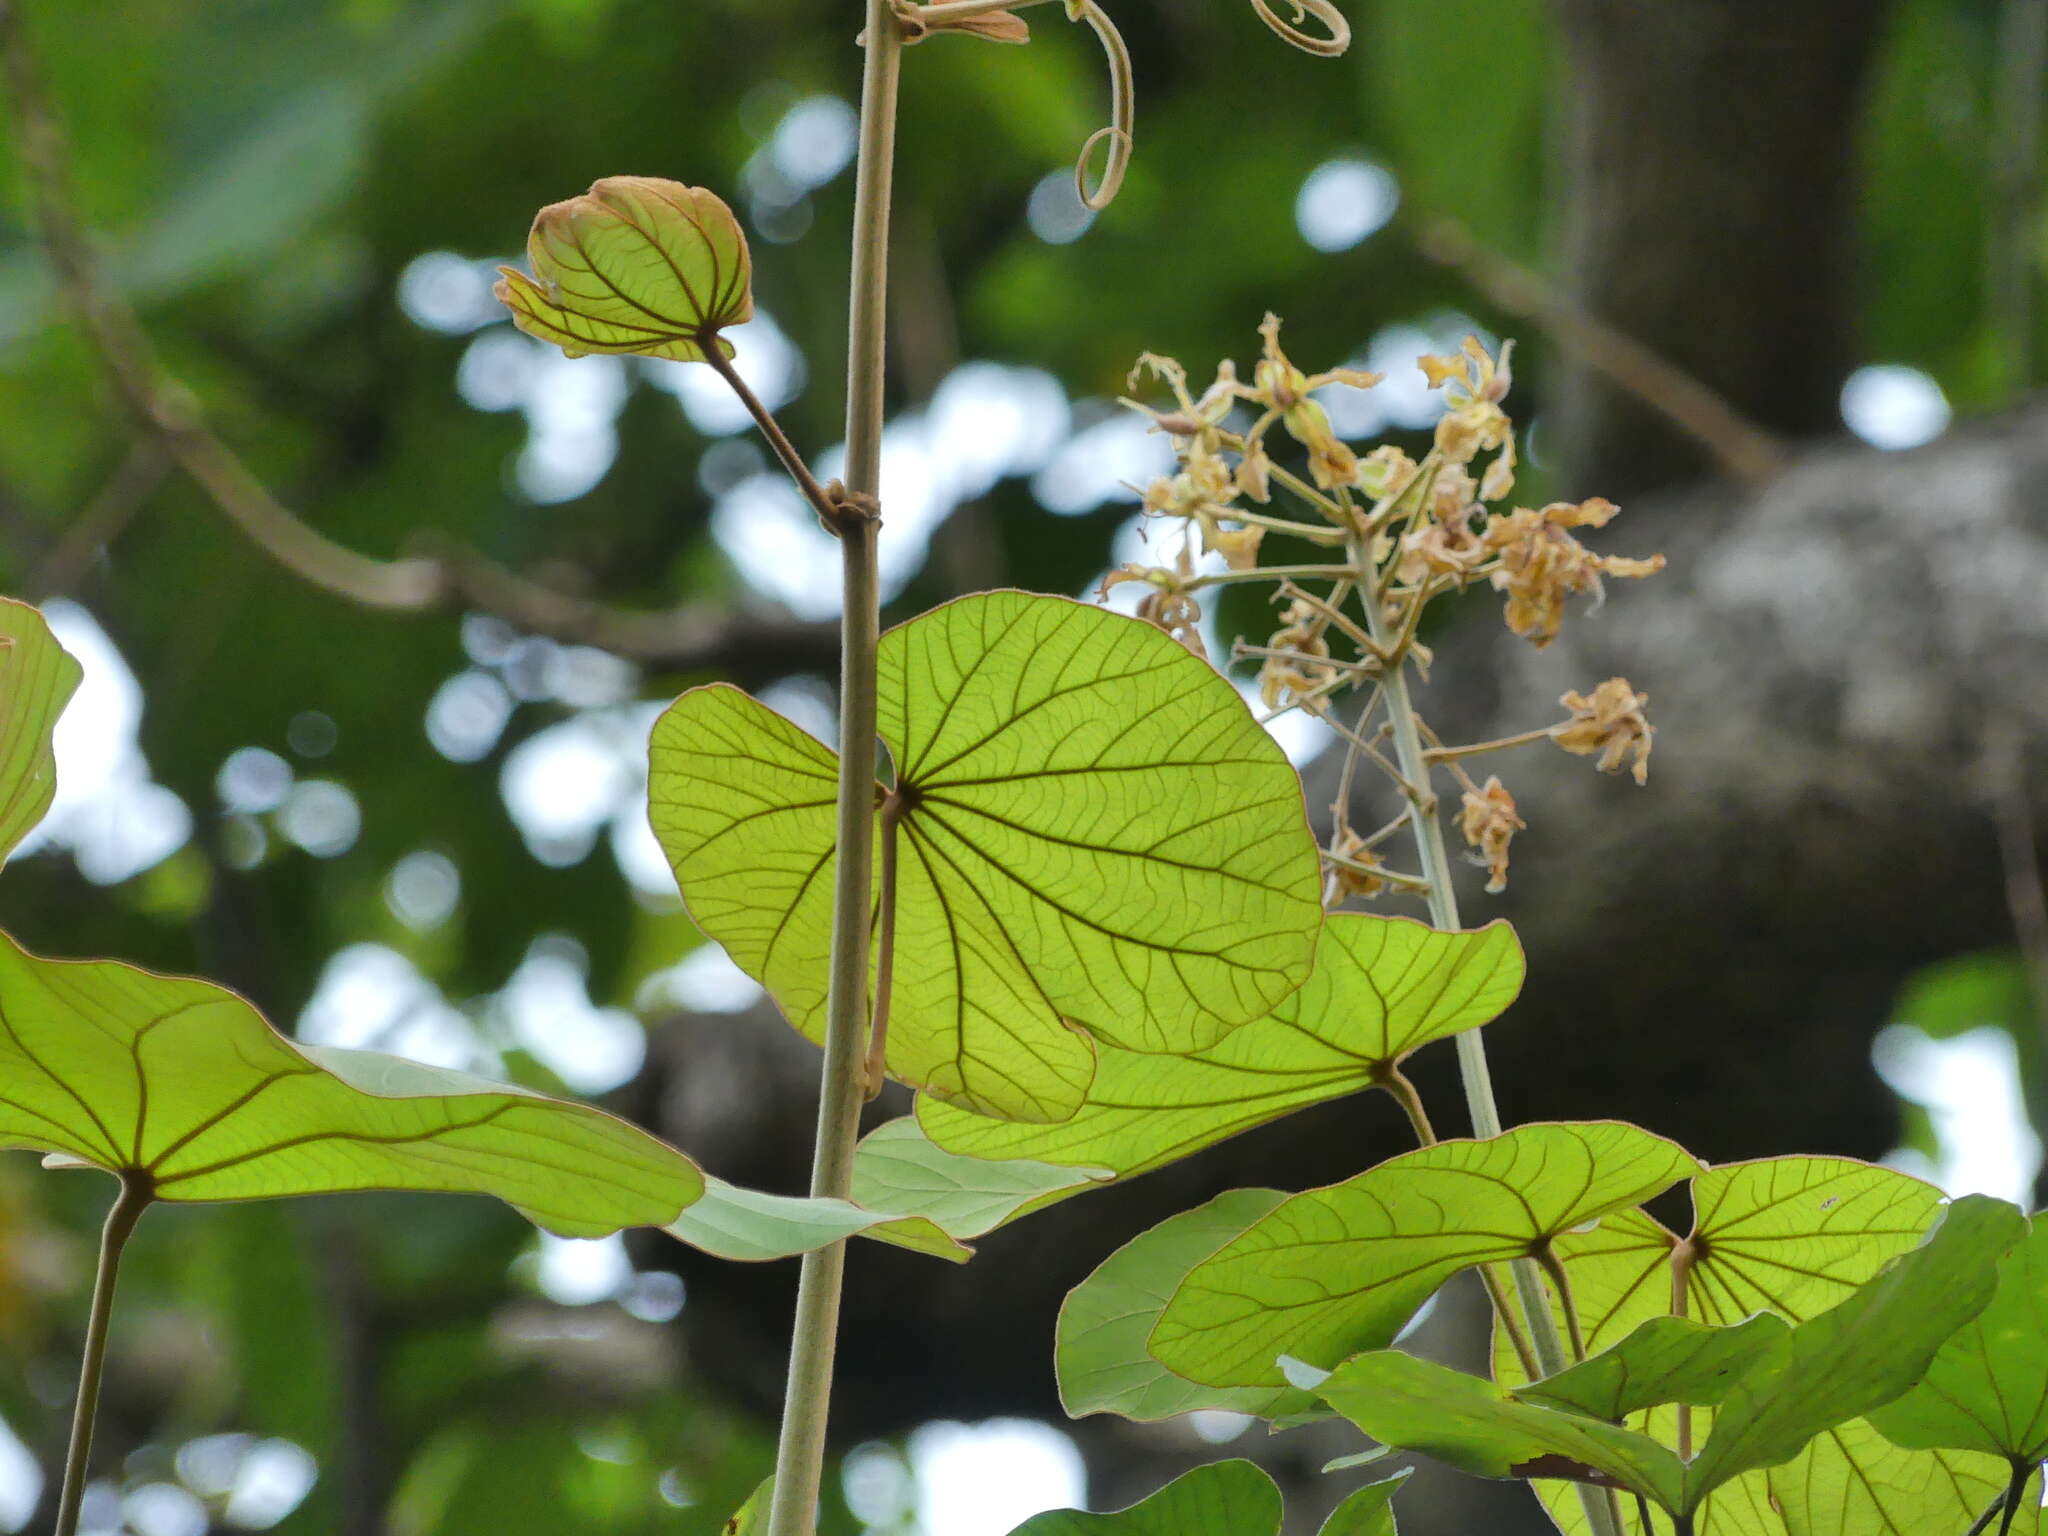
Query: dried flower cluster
(1409, 532)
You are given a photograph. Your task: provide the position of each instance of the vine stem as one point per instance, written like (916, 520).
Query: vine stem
(1435, 860)
(800, 1451)
(137, 1192)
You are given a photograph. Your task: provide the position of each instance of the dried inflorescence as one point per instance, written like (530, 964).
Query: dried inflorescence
(1410, 532)
(1610, 723)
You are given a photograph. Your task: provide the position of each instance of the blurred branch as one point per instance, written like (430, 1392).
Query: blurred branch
(169, 414)
(2013, 245)
(127, 490)
(1745, 451)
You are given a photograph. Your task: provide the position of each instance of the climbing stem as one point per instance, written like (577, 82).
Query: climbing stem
(137, 1191)
(800, 1453)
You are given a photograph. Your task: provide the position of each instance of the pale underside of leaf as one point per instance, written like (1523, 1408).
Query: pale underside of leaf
(37, 679)
(1099, 1352)
(1380, 988)
(906, 1192)
(1334, 1271)
(183, 1081)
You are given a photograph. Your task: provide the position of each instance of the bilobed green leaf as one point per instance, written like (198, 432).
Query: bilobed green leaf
(37, 678)
(1098, 843)
(636, 264)
(905, 1191)
(1802, 1381)
(1224, 1498)
(122, 1069)
(1794, 1236)
(1473, 1425)
(1099, 1351)
(1987, 1388)
(1666, 1360)
(1369, 1511)
(1380, 989)
(1862, 1352)
(1334, 1271)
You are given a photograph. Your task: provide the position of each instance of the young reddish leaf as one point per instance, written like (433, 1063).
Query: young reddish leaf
(636, 264)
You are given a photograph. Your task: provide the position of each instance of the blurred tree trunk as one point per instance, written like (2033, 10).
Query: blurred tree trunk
(1708, 209)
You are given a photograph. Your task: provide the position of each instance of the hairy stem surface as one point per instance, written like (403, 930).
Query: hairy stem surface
(800, 1454)
(136, 1195)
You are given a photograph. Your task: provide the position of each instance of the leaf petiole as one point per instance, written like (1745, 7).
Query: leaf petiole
(138, 1191)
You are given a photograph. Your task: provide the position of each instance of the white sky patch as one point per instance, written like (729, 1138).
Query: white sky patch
(986, 421)
(498, 370)
(1403, 398)
(423, 889)
(578, 1272)
(1301, 735)
(467, 715)
(165, 1509)
(441, 291)
(572, 412)
(21, 1481)
(1102, 462)
(815, 140)
(115, 822)
(253, 780)
(704, 981)
(562, 785)
(546, 1010)
(1343, 201)
(1969, 1085)
(272, 1481)
(1055, 211)
(986, 1479)
(322, 817)
(763, 355)
(808, 702)
(1889, 405)
(371, 997)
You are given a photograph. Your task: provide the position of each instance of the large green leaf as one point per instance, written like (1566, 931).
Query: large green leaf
(1381, 988)
(1224, 1498)
(1987, 1389)
(1099, 1352)
(1098, 842)
(1862, 1352)
(636, 264)
(1794, 1236)
(1334, 1271)
(37, 678)
(122, 1069)
(905, 1191)
(1799, 1382)
(1667, 1360)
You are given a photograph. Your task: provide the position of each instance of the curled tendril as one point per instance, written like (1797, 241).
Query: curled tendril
(1122, 110)
(1323, 11)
